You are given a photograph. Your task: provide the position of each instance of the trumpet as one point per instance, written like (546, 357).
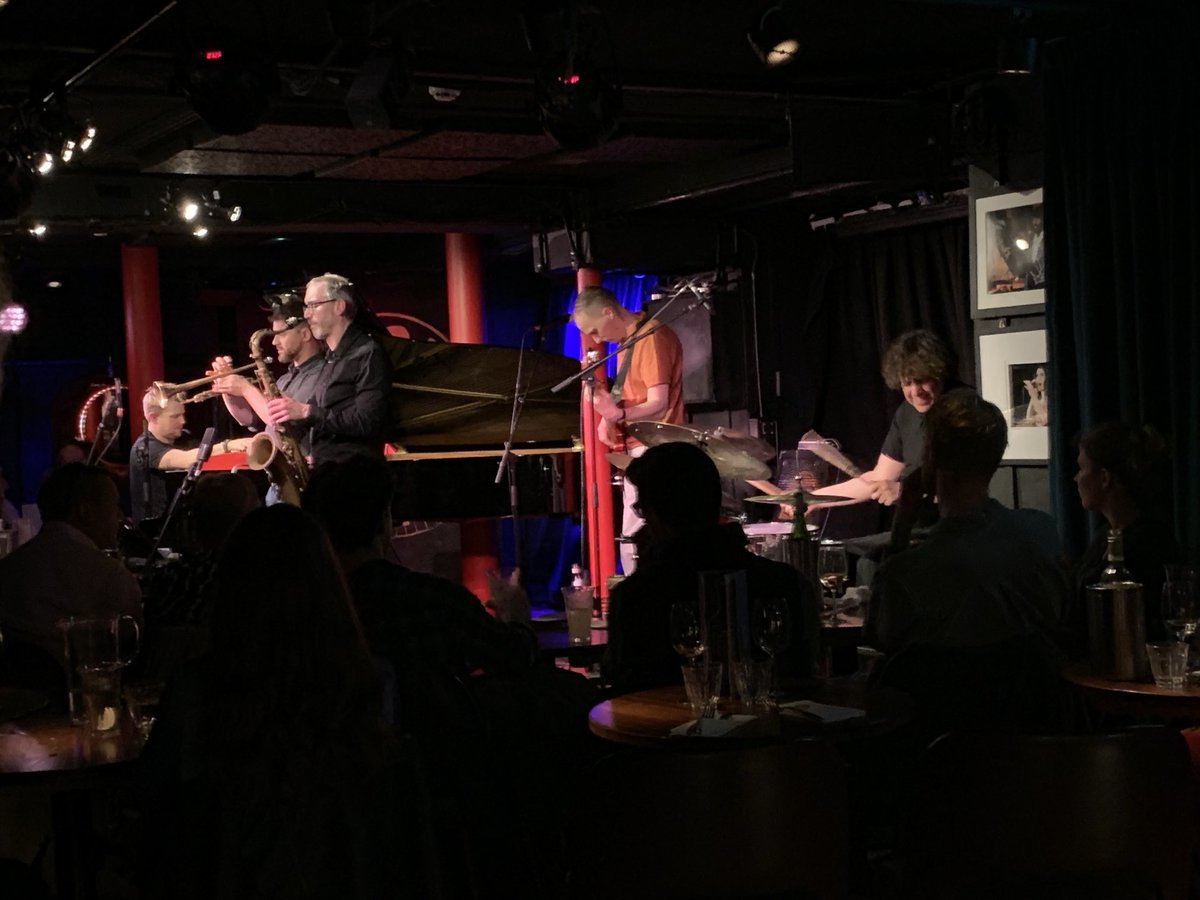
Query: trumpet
(171, 391)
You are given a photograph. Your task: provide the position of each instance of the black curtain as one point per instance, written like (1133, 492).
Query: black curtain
(1122, 196)
(836, 311)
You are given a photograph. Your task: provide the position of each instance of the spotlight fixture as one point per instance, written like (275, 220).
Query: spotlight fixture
(37, 229)
(89, 137)
(235, 213)
(68, 150)
(44, 163)
(189, 209)
(200, 231)
(774, 38)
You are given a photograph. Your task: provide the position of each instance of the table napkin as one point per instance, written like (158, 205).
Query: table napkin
(711, 727)
(823, 711)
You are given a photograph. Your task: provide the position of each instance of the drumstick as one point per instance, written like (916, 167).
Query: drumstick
(831, 454)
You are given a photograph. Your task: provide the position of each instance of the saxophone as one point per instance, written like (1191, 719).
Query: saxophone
(277, 450)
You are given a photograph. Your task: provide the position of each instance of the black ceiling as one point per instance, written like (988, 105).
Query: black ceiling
(704, 128)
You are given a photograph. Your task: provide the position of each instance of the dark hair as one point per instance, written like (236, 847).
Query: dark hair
(218, 502)
(292, 698)
(679, 484)
(349, 499)
(70, 486)
(1135, 455)
(288, 308)
(915, 355)
(965, 433)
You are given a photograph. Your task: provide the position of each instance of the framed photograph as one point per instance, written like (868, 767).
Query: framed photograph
(1010, 255)
(1013, 365)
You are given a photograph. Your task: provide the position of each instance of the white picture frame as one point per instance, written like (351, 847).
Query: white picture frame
(1009, 361)
(1010, 260)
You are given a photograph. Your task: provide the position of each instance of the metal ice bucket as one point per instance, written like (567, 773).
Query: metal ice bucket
(1117, 631)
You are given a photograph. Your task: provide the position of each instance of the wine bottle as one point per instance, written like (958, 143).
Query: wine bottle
(1114, 560)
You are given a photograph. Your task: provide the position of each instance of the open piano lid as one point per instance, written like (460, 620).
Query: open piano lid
(460, 395)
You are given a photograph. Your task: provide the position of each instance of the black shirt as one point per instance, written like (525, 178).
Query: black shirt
(160, 490)
(300, 383)
(350, 404)
(905, 441)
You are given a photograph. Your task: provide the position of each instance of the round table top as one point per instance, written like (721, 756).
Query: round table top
(647, 718)
(47, 744)
(1143, 699)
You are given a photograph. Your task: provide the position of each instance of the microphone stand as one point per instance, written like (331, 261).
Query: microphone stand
(185, 488)
(506, 466)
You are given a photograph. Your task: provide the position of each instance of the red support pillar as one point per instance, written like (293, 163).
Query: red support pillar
(143, 326)
(602, 548)
(464, 294)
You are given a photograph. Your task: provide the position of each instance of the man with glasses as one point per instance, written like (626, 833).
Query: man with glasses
(347, 411)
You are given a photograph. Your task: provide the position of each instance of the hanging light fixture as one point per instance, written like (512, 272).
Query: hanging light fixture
(775, 38)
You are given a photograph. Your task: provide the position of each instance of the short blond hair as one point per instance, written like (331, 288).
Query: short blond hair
(155, 400)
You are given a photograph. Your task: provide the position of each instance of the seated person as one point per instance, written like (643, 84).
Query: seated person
(1121, 475)
(405, 612)
(63, 571)
(679, 494)
(269, 772)
(158, 451)
(919, 365)
(985, 573)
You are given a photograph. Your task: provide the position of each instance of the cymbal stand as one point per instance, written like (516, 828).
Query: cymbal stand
(506, 468)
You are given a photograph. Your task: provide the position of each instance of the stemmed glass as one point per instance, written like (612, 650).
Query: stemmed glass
(832, 570)
(686, 635)
(771, 628)
(1181, 608)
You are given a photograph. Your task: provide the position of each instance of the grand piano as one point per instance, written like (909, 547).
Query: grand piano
(451, 409)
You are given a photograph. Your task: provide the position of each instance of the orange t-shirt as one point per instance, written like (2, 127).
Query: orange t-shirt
(657, 359)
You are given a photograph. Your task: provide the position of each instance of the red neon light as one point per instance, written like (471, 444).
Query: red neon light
(569, 79)
(212, 54)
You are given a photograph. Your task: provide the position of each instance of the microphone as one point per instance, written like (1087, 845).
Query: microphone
(203, 452)
(551, 323)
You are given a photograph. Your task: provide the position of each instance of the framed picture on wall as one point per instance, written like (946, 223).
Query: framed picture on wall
(1013, 362)
(1010, 258)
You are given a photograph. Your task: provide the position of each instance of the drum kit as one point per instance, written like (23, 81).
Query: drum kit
(738, 456)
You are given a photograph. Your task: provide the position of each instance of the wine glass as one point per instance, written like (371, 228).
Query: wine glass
(1181, 608)
(687, 637)
(832, 570)
(771, 628)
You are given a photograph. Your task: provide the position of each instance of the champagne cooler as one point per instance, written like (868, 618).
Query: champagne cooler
(1117, 631)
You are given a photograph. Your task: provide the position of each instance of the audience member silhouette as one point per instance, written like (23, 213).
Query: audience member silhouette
(271, 768)
(679, 494)
(1122, 474)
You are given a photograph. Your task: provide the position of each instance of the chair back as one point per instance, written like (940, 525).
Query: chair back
(1065, 816)
(729, 823)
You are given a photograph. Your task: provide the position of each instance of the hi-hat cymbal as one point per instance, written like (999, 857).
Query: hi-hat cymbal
(789, 498)
(747, 443)
(731, 459)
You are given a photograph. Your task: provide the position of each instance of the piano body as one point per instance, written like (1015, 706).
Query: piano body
(451, 409)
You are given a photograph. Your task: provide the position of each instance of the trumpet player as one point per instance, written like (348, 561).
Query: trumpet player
(158, 451)
(296, 347)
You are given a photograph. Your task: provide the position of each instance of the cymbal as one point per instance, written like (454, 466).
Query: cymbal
(747, 443)
(731, 457)
(789, 498)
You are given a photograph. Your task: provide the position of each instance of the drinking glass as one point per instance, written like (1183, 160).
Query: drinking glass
(1181, 608)
(687, 637)
(832, 570)
(771, 629)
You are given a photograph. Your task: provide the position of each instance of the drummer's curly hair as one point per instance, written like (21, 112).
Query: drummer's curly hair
(916, 356)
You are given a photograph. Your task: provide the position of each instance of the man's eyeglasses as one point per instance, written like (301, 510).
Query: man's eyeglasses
(315, 303)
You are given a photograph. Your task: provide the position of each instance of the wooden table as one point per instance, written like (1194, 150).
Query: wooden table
(1143, 700)
(646, 718)
(46, 749)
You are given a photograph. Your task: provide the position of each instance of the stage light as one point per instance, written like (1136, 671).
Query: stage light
(13, 318)
(43, 162)
(200, 231)
(235, 213)
(774, 39)
(188, 209)
(53, 284)
(89, 137)
(37, 229)
(68, 150)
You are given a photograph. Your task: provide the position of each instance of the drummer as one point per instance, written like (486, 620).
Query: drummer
(648, 387)
(919, 365)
